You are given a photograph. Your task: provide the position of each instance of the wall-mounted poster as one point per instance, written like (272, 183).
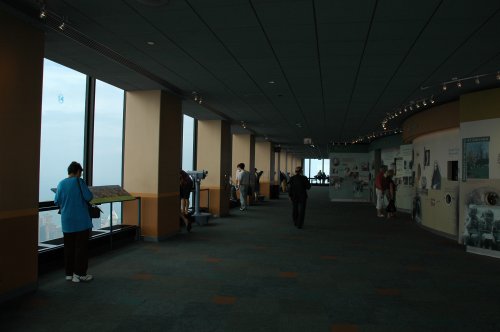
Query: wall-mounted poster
(476, 158)
(436, 177)
(482, 227)
(349, 177)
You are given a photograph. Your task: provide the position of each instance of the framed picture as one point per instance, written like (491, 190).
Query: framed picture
(476, 158)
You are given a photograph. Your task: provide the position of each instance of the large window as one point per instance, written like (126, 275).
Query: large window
(188, 143)
(316, 166)
(63, 122)
(313, 166)
(307, 169)
(108, 138)
(66, 117)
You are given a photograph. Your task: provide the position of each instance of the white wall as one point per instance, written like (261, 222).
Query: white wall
(436, 212)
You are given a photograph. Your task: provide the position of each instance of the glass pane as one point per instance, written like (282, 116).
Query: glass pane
(326, 166)
(316, 166)
(187, 143)
(306, 168)
(49, 226)
(108, 138)
(63, 122)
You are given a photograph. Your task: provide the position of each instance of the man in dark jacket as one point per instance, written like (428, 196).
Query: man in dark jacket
(298, 187)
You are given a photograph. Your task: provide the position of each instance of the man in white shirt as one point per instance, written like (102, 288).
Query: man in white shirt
(242, 183)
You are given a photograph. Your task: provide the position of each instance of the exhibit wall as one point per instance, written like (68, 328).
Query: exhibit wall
(480, 186)
(388, 157)
(349, 177)
(435, 204)
(480, 176)
(404, 178)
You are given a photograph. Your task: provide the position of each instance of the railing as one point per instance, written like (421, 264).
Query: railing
(50, 230)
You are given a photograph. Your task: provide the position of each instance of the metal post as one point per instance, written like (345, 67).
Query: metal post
(139, 204)
(111, 225)
(197, 193)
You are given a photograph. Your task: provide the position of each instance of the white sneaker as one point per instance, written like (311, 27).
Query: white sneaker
(69, 278)
(77, 278)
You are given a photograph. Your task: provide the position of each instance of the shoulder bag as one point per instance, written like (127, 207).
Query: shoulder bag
(94, 211)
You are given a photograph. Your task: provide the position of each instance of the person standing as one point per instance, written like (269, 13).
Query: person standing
(72, 197)
(380, 188)
(298, 187)
(243, 184)
(256, 189)
(283, 181)
(391, 194)
(186, 185)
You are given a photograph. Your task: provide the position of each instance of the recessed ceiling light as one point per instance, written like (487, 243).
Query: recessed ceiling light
(271, 82)
(150, 43)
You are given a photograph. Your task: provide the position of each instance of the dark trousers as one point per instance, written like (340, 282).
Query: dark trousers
(299, 212)
(76, 253)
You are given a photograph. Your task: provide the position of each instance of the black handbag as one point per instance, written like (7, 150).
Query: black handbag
(94, 211)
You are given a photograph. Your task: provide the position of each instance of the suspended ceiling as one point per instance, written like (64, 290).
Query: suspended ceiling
(338, 67)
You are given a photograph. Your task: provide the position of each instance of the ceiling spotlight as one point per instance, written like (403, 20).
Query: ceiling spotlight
(411, 108)
(200, 100)
(477, 81)
(406, 110)
(418, 105)
(43, 13)
(445, 87)
(459, 84)
(62, 25)
(432, 100)
(424, 103)
(150, 43)
(195, 97)
(271, 82)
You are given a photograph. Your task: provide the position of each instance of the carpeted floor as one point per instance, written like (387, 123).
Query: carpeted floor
(345, 271)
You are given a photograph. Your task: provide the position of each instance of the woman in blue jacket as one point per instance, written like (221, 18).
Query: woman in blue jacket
(72, 196)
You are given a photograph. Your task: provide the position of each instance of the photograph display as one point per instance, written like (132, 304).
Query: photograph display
(476, 158)
(349, 177)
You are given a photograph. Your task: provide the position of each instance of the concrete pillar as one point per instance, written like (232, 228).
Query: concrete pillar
(244, 152)
(153, 139)
(214, 156)
(283, 161)
(21, 65)
(264, 161)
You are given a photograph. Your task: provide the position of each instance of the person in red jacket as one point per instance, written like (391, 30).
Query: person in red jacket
(380, 188)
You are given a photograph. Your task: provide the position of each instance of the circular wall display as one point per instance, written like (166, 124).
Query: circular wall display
(491, 198)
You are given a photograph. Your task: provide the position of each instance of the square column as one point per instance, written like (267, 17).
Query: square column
(152, 160)
(243, 152)
(291, 163)
(21, 66)
(214, 156)
(283, 161)
(264, 161)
